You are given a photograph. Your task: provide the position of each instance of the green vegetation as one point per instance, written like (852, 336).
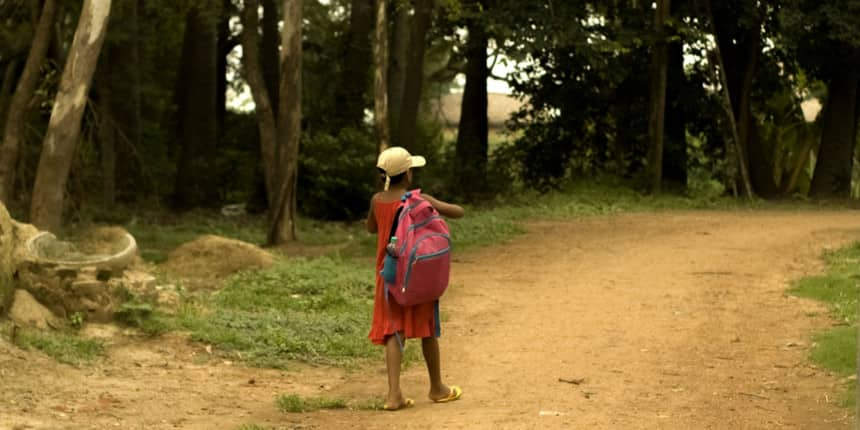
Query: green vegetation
(295, 404)
(835, 349)
(316, 311)
(252, 427)
(62, 346)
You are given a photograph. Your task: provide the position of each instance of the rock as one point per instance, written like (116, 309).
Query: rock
(168, 299)
(26, 311)
(7, 263)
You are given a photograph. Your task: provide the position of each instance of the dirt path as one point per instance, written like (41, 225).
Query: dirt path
(674, 321)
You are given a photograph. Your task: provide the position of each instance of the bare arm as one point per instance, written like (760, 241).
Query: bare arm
(449, 210)
(371, 218)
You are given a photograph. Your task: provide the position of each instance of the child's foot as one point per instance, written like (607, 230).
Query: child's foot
(401, 403)
(445, 394)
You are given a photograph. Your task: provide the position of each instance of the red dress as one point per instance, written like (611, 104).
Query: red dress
(389, 317)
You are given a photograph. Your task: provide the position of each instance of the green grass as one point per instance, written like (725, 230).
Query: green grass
(62, 346)
(372, 404)
(836, 349)
(316, 311)
(293, 403)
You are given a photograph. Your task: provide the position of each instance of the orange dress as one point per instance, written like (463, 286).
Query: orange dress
(389, 317)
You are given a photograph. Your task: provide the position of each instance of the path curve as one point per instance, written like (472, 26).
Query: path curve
(674, 320)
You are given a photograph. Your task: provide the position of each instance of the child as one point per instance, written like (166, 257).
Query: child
(391, 320)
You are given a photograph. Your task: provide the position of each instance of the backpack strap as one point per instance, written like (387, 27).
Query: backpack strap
(409, 194)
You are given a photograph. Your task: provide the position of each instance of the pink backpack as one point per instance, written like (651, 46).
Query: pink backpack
(418, 272)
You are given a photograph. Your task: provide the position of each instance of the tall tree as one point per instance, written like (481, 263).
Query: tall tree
(46, 209)
(269, 49)
(408, 118)
(735, 69)
(833, 171)
(280, 132)
(118, 82)
(283, 228)
(675, 150)
(197, 100)
(657, 105)
(354, 77)
(380, 76)
(397, 60)
(13, 132)
(825, 36)
(473, 129)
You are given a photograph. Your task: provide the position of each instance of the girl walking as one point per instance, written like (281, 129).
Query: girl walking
(392, 322)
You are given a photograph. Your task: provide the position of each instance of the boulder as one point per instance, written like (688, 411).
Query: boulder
(26, 311)
(7, 263)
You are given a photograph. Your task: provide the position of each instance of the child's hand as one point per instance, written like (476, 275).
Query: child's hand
(445, 209)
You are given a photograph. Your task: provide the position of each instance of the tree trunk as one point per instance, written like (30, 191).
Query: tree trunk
(7, 85)
(197, 98)
(269, 50)
(223, 50)
(657, 104)
(107, 134)
(734, 150)
(58, 149)
(472, 131)
(397, 63)
(125, 88)
(675, 152)
(380, 76)
(282, 226)
(354, 78)
(262, 97)
(408, 121)
(832, 177)
(13, 132)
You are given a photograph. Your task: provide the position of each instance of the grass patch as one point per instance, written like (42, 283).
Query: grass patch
(61, 346)
(373, 404)
(835, 349)
(293, 403)
(316, 311)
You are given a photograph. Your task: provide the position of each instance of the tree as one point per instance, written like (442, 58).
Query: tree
(283, 228)
(397, 60)
(657, 108)
(825, 38)
(833, 171)
(19, 106)
(408, 118)
(380, 76)
(118, 84)
(473, 128)
(354, 77)
(46, 209)
(734, 65)
(197, 98)
(280, 131)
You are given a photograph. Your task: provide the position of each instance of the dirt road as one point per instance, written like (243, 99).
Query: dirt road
(673, 320)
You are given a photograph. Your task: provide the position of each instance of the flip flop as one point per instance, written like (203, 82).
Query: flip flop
(455, 394)
(407, 403)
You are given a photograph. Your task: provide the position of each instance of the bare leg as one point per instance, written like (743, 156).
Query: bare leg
(430, 348)
(393, 358)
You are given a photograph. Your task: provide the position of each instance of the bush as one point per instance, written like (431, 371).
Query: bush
(337, 175)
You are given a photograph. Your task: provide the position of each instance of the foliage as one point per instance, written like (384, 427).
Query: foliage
(337, 178)
(294, 403)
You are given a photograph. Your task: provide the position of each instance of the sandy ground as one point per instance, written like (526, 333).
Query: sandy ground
(671, 321)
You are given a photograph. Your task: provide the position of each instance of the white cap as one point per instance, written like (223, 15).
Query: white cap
(396, 160)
